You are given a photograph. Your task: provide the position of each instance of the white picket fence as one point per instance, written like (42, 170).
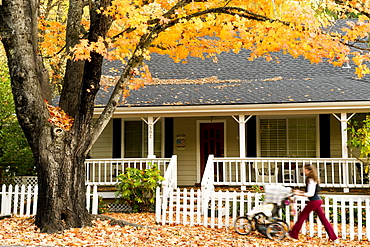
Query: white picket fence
(349, 216)
(22, 199)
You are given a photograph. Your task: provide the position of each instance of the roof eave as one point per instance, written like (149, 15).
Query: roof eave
(247, 109)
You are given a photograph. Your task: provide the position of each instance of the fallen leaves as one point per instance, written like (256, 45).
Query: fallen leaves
(22, 231)
(59, 118)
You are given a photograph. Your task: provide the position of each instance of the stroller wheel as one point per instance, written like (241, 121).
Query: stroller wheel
(242, 225)
(275, 231)
(283, 223)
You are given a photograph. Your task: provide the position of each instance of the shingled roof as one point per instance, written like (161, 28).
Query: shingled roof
(236, 80)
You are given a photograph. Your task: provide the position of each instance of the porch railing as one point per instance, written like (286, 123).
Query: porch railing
(106, 171)
(333, 172)
(168, 186)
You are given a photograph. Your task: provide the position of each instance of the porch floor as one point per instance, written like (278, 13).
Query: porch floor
(109, 190)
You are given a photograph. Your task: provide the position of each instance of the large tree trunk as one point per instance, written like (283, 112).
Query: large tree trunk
(59, 154)
(61, 179)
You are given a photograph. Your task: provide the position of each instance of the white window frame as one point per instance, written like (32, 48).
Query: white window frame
(287, 117)
(144, 141)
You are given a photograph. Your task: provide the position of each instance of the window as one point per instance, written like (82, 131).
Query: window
(288, 137)
(136, 139)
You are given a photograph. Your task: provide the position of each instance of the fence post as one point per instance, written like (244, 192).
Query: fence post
(8, 208)
(95, 201)
(88, 197)
(343, 218)
(359, 218)
(351, 220)
(191, 207)
(29, 196)
(35, 196)
(158, 205)
(185, 206)
(16, 199)
(170, 210)
(335, 215)
(23, 192)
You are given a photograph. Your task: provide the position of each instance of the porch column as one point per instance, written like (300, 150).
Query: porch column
(150, 122)
(241, 121)
(242, 136)
(343, 126)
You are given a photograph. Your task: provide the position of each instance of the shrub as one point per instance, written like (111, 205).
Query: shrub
(102, 206)
(137, 188)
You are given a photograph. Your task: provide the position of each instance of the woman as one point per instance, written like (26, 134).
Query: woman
(312, 189)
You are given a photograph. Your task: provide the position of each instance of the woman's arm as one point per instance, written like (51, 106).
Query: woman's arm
(311, 188)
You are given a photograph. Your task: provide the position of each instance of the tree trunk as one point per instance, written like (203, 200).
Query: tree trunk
(59, 155)
(61, 178)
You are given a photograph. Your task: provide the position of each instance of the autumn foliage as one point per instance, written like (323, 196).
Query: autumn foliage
(21, 231)
(65, 42)
(206, 28)
(59, 118)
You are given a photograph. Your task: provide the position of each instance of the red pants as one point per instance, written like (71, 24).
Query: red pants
(312, 206)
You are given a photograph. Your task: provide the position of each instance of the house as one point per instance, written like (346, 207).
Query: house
(274, 115)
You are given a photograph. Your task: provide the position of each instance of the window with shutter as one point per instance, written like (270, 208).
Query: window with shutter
(136, 139)
(288, 137)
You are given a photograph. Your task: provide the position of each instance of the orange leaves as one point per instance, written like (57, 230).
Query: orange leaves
(22, 231)
(82, 50)
(59, 118)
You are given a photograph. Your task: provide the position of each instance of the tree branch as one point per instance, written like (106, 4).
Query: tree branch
(345, 3)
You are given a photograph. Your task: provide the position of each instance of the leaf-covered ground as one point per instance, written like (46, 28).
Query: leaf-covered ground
(22, 231)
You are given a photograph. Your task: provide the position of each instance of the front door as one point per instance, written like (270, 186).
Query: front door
(211, 142)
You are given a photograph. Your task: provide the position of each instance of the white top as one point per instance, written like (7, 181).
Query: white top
(311, 188)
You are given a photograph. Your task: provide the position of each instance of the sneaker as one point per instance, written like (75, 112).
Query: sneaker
(336, 241)
(287, 235)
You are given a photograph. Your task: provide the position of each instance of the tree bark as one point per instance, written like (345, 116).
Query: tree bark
(59, 154)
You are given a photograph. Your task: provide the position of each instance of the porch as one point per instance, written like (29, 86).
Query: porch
(340, 173)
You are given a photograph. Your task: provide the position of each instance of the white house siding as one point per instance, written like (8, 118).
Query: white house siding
(187, 159)
(232, 137)
(102, 148)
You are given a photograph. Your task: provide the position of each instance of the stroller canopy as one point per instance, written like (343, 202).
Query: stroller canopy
(276, 193)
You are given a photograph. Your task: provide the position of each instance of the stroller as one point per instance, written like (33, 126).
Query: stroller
(264, 218)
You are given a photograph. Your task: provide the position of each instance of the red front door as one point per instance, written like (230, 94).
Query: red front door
(211, 142)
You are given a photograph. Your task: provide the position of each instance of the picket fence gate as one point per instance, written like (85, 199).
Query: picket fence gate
(350, 216)
(22, 200)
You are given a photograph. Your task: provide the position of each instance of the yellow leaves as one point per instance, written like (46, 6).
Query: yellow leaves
(82, 50)
(362, 70)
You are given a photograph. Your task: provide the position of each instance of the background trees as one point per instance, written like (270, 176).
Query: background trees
(15, 153)
(79, 36)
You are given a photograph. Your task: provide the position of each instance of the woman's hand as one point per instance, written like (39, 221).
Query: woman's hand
(298, 192)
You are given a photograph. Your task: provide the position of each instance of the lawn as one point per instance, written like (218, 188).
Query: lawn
(22, 231)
